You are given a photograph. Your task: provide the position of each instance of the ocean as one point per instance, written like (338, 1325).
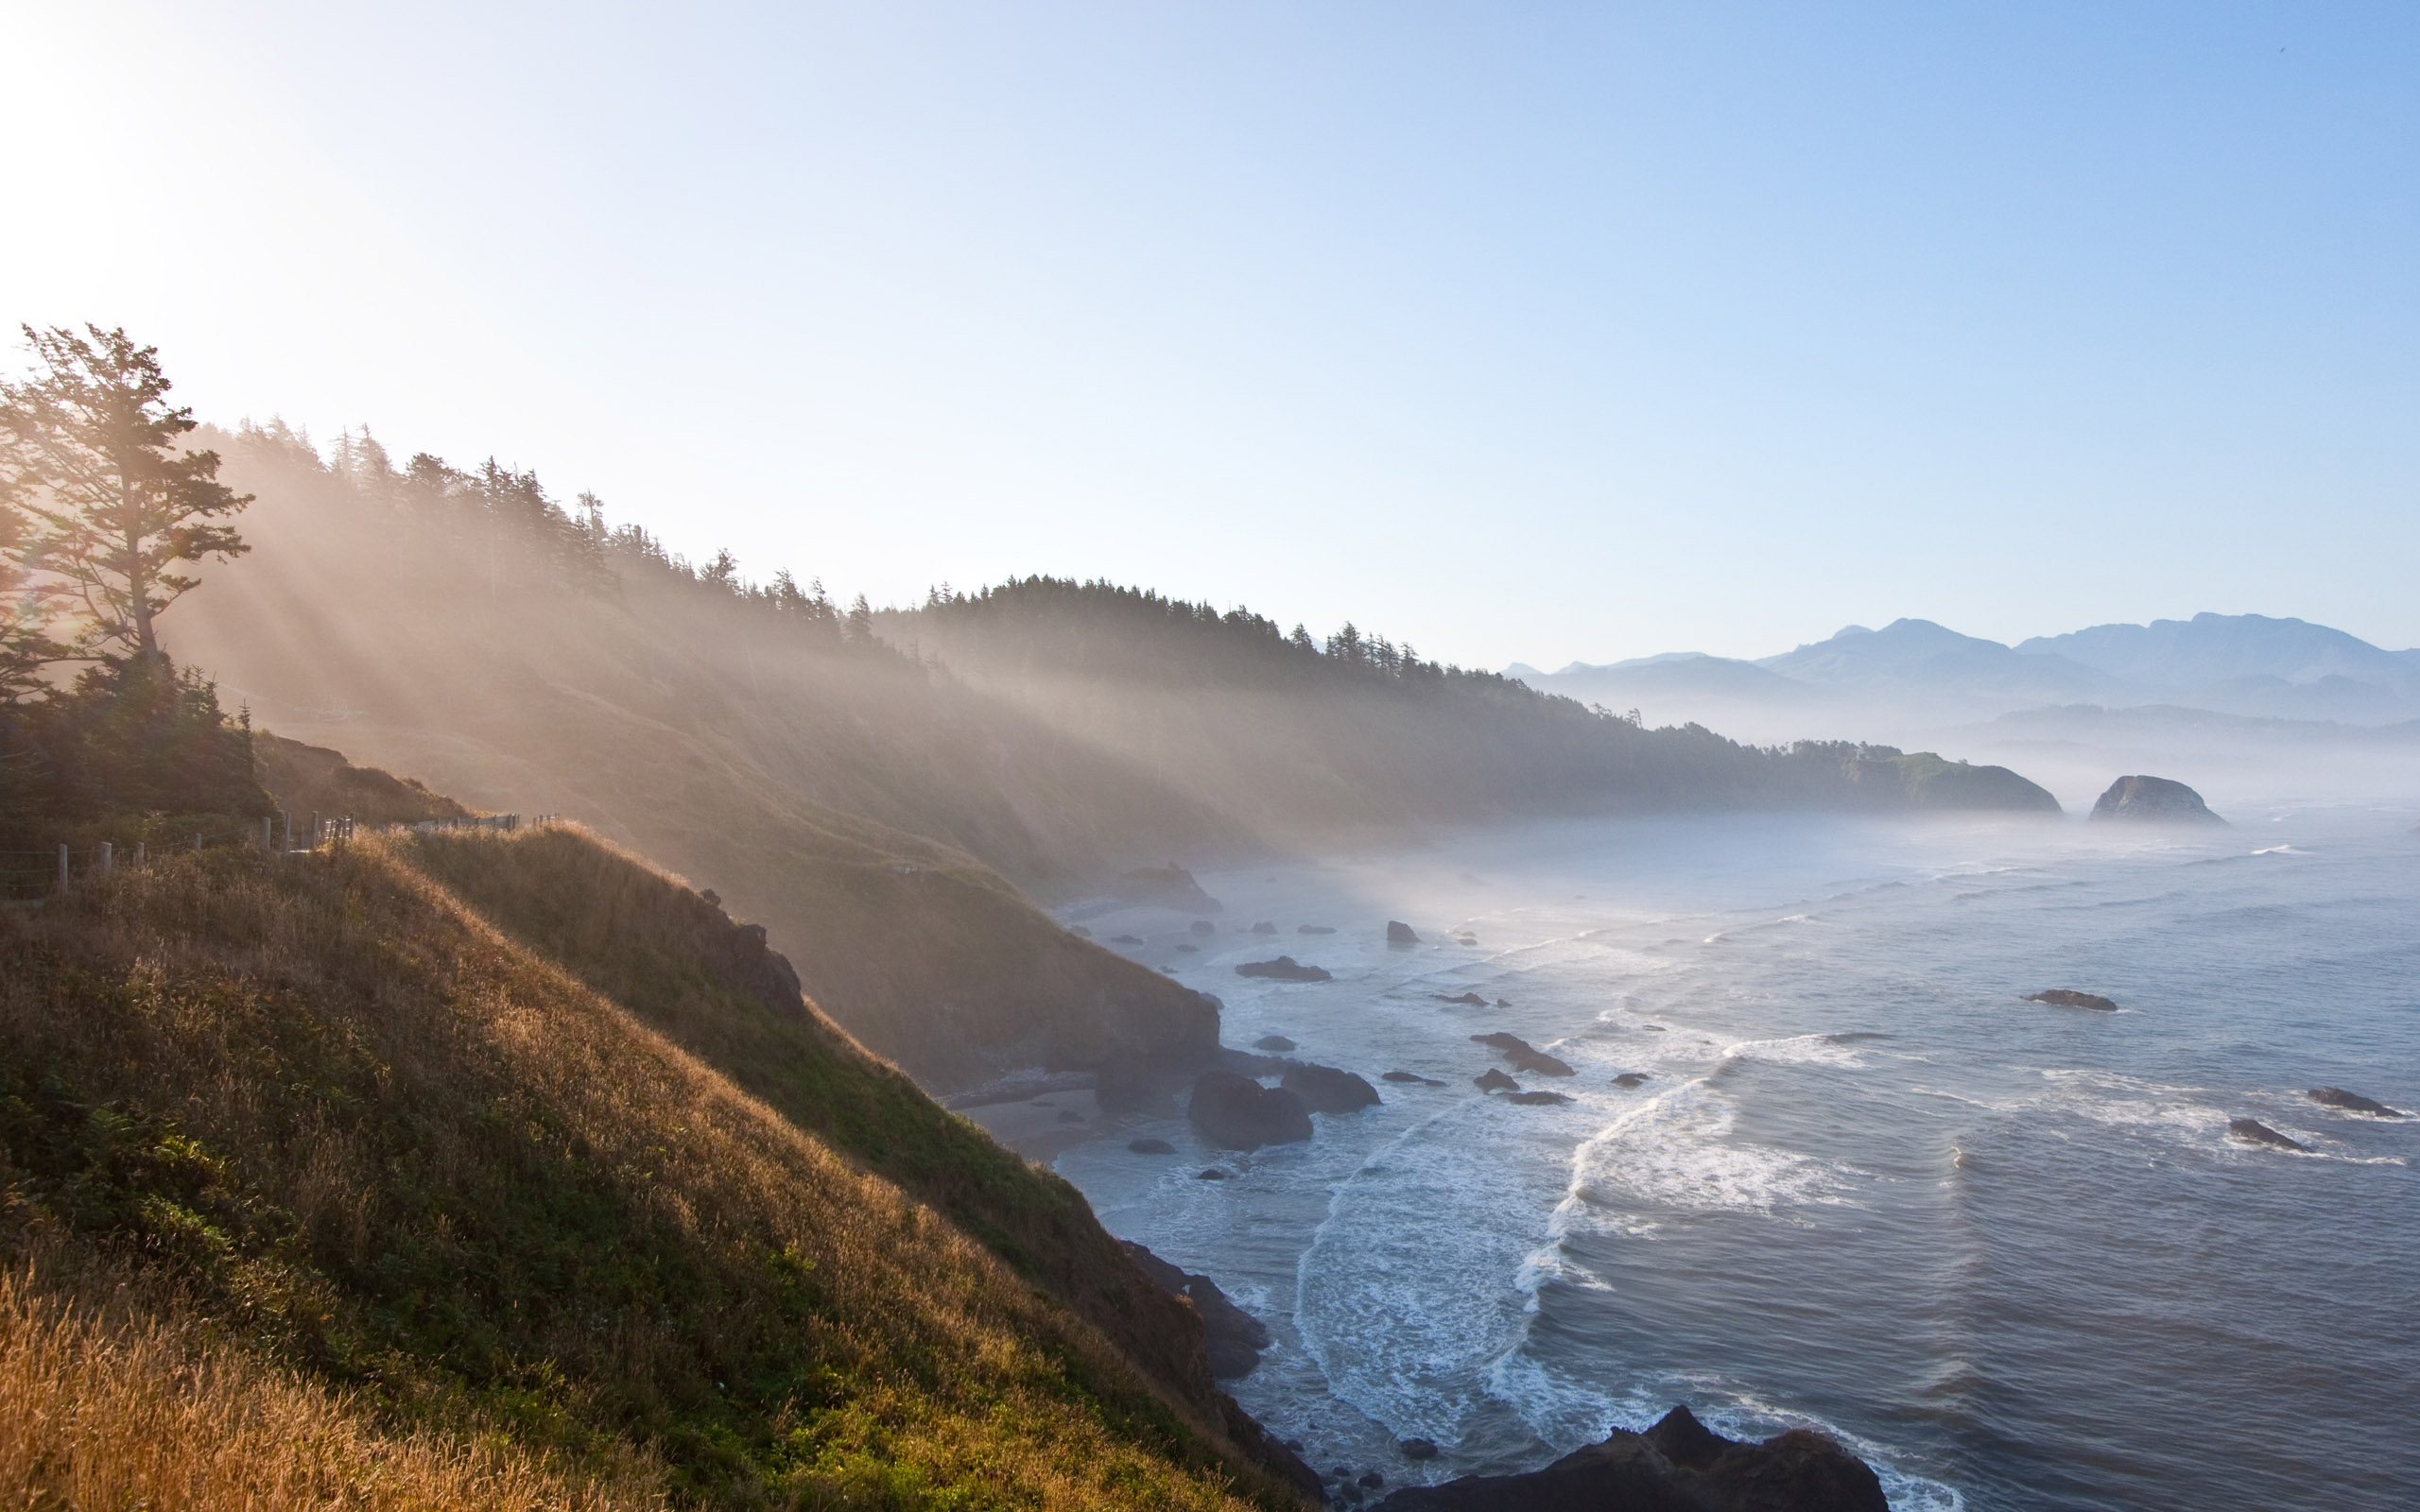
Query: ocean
(2008, 1252)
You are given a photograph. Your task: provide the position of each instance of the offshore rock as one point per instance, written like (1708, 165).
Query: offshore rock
(1523, 1055)
(2256, 1132)
(2154, 797)
(1496, 1080)
(1680, 1465)
(1273, 1043)
(1538, 1099)
(1285, 969)
(2352, 1102)
(1468, 1000)
(1236, 1113)
(2060, 997)
(1326, 1089)
(1399, 933)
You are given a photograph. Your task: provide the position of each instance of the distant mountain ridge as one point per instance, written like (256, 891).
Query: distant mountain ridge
(2246, 665)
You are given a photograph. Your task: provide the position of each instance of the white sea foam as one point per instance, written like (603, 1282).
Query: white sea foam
(1676, 1152)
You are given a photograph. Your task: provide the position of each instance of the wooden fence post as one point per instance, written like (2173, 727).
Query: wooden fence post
(269, 833)
(62, 868)
(138, 853)
(108, 857)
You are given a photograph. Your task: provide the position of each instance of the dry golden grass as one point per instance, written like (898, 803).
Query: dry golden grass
(371, 1131)
(105, 1407)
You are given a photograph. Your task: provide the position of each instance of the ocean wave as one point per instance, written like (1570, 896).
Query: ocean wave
(1676, 1151)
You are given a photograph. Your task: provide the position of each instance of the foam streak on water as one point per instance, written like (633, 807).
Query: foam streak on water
(2009, 1252)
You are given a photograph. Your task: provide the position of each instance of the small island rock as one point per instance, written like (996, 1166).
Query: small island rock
(1326, 1089)
(2352, 1102)
(1285, 969)
(1524, 1055)
(1399, 933)
(2154, 797)
(1236, 1113)
(1496, 1080)
(2060, 997)
(1274, 1043)
(2260, 1133)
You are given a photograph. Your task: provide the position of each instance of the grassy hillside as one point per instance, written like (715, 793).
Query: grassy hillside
(352, 1116)
(859, 805)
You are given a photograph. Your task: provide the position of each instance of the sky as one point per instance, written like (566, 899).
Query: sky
(1536, 332)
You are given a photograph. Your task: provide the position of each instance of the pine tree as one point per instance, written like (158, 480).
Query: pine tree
(90, 453)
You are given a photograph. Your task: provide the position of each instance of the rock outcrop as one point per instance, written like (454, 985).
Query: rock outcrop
(1234, 1336)
(1493, 1080)
(1468, 1000)
(1399, 933)
(1273, 1043)
(1285, 969)
(1631, 1079)
(2154, 797)
(1169, 887)
(2353, 1102)
(1680, 1465)
(1523, 1055)
(2256, 1132)
(1537, 1099)
(1326, 1089)
(1236, 1113)
(1411, 1078)
(2060, 997)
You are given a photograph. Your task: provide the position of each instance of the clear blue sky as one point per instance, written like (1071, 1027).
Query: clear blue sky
(1518, 331)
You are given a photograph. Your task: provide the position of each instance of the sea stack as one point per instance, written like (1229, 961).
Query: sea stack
(2154, 797)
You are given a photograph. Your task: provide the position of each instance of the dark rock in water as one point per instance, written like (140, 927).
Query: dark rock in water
(1371, 1480)
(2154, 797)
(1418, 1448)
(2260, 1133)
(1211, 1174)
(1272, 1043)
(1631, 1079)
(2059, 997)
(2352, 1102)
(1503, 1003)
(1314, 929)
(1080, 931)
(1126, 940)
(1470, 999)
(1169, 887)
(1326, 1089)
(1399, 933)
(1190, 950)
(1237, 1113)
(1204, 926)
(1234, 1336)
(1285, 969)
(1524, 1055)
(1537, 1099)
(1264, 927)
(1411, 1078)
(1151, 1147)
(1677, 1465)
(1496, 1080)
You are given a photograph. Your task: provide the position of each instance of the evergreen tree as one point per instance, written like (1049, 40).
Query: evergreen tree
(90, 454)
